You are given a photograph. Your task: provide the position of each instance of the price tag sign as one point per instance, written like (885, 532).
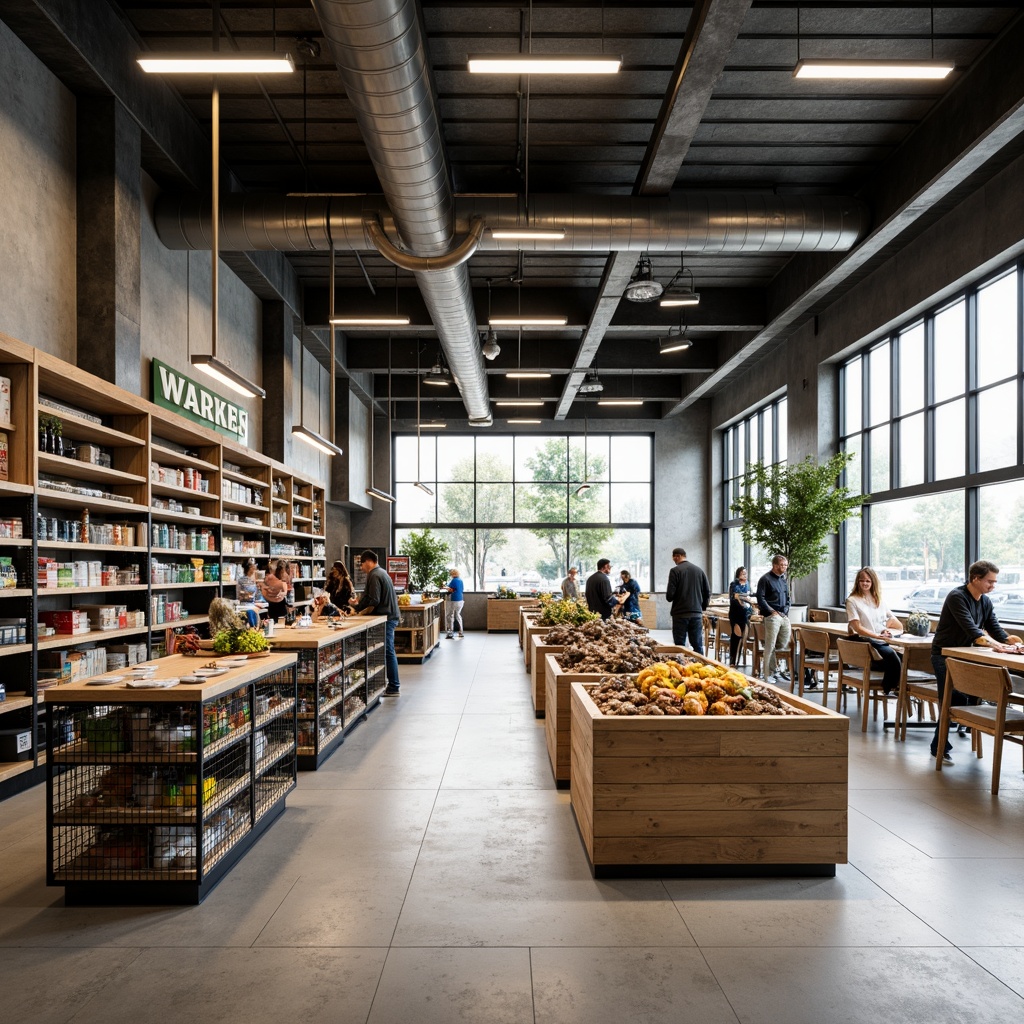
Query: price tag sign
(398, 570)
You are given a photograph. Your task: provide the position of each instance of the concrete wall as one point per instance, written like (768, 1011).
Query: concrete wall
(37, 203)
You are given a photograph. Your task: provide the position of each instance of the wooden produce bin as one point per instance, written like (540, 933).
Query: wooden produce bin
(527, 617)
(503, 613)
(532, 630)
(558, 704)
(649, 612)
(540, 650)
(710, 795)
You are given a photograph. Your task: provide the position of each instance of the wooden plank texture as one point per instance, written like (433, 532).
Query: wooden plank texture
(659, 796)
(746, 822)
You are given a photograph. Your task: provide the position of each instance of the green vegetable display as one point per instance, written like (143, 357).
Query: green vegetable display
(565, 613)
(240, 641)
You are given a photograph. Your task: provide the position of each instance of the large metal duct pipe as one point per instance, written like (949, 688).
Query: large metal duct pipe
(379, 49)
(708, 222)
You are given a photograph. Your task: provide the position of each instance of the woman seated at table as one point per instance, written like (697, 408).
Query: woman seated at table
(870, 620)
(322, 609)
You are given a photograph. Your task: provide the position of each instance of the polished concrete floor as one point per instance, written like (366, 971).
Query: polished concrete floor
(430, 872)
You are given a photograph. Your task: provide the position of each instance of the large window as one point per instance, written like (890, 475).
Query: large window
(934, 413)
(514, 509)
(759, 437)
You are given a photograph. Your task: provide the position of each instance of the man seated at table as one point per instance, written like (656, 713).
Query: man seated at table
(968, 620)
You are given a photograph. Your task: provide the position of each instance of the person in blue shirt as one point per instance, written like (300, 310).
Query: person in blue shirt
(629, 600)
(741, 607)
(456, 592)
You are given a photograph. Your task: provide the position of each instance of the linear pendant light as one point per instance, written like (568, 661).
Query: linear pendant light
(543, 64)
(216, 63)
(528, 321)
(370, 321)
(873, 69)
(529, 234)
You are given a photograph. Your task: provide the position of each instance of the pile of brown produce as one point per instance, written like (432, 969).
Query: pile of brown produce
(621, 695)
(604, 645)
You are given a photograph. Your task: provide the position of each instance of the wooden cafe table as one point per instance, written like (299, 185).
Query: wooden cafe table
(986, 656)
(905, 643)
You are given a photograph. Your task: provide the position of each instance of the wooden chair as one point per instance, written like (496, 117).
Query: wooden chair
(819, 615)
(753, 647)
(710, 637)
(816, 653)
(917, 682)
(996, 719)
(784, 654)
(856, 671)
(723, 633)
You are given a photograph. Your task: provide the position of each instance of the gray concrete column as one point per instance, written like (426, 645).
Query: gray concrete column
(278, 329)
(109, 265)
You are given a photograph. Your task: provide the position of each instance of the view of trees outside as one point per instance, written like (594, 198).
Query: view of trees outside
(948, 387)
(509, 510)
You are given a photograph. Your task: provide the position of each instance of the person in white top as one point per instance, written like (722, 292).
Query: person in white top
(870, 620)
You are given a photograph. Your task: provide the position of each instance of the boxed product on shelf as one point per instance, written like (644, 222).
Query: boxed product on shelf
(70, 620)
(93, 454)
(133, 653)
(11, 528)
(106, 616)
(8, 574)
(13, 631)
(16, 744)
(5, 399)
(65, 666)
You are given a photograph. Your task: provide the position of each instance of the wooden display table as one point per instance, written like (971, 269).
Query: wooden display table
(532, 630)
(713, 795)
(419, 632)
(503, 613)
(557, 705)
(649, 612)
(153, 794)
(341, 676)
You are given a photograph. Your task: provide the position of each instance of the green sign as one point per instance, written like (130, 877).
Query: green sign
(196, 402)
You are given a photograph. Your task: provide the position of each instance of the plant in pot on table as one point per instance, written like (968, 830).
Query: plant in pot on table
(428, 560)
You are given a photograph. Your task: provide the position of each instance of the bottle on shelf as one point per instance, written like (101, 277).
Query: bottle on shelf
(85, 526)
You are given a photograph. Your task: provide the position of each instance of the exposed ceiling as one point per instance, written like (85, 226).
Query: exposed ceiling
(705, 101)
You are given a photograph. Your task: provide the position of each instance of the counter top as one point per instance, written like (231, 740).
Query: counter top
(290, 638)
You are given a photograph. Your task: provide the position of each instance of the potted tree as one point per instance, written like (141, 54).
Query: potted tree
(791, 509)
(428, 560)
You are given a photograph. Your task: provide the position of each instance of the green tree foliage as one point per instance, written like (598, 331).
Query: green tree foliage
(791, 509)
(428, 560)
(481, 504)
(555, 463)
(932, 536)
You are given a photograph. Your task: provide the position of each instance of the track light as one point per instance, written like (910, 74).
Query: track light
(228, 377)
(376, 492)
(318, 441)
(673, 343)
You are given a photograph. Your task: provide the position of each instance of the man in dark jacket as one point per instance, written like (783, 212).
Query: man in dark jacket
(773, 603)
(599, 590)
(379, 598)
(967, 620)
(688, 591)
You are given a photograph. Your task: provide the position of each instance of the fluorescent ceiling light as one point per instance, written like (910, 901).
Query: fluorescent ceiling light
(318, 441)
(376, 492)
(543, 64)
(868, 69)
(519, 401)
(370, 321)
(579, 490)
(679, 297)
(438, 376)
(253, 63)
(620, 401)
(424, 488)
(529, 234)
(521, 422)
(228, 377)
(674, 343)
(528, 321)
(433, 426)
(527, 375)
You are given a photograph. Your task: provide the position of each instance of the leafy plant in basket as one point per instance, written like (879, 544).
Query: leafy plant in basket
(790, 510)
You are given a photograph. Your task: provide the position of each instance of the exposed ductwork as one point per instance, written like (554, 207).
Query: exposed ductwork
(379, 49)
(708, 222)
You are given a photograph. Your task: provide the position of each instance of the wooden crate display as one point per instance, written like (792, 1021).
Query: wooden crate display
(725, 794)
(557, 705)
(649, 612)
(503, 615)
(540, 650)
(532, 630)
(527, 617)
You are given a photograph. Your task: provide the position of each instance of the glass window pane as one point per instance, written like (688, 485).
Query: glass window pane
(627, 549)
(997, 427)
(590, 506)
(880, 375)
(494, 503)
(997, 330)
(631, 503)
(542, 503)
(878, 472)
(912, 450)
(455, 503)
(454, 458)
(767, 450)
(1001, 516)
(494, 455)
(727, 460)
(911, 357)
(853, 397)
(405, 458)
(527, 561)
(949, 352)
(855, 471)
(588, 458)
(540, 454)
(460, 551)
(734, 559)
(854, 533)
(783, 425)
(413, 505)
(950, 440)
(917, 548)
(630, 458)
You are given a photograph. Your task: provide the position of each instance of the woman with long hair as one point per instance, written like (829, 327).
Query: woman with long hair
(275, 590)
(869, 619)
(741, 607)
(339, 585)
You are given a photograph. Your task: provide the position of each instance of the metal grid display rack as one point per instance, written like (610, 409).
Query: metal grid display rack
(154, 794)
(341, 678)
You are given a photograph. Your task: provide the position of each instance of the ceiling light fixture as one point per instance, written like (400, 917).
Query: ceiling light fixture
(673, 343)
(528, 321)
(229, 378)
(873, 69)
(491, 347)
(376, 492)
(527, 375)
(520, 401)
(522, 422)
(318, 441)
(370, 321)
(678, 294)
(216, 63)
(591, 384)
(543, 64)
(434, 425)
(424, 488)
(529, 234)
(642, 287)
(439, 375)
(620, 401)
